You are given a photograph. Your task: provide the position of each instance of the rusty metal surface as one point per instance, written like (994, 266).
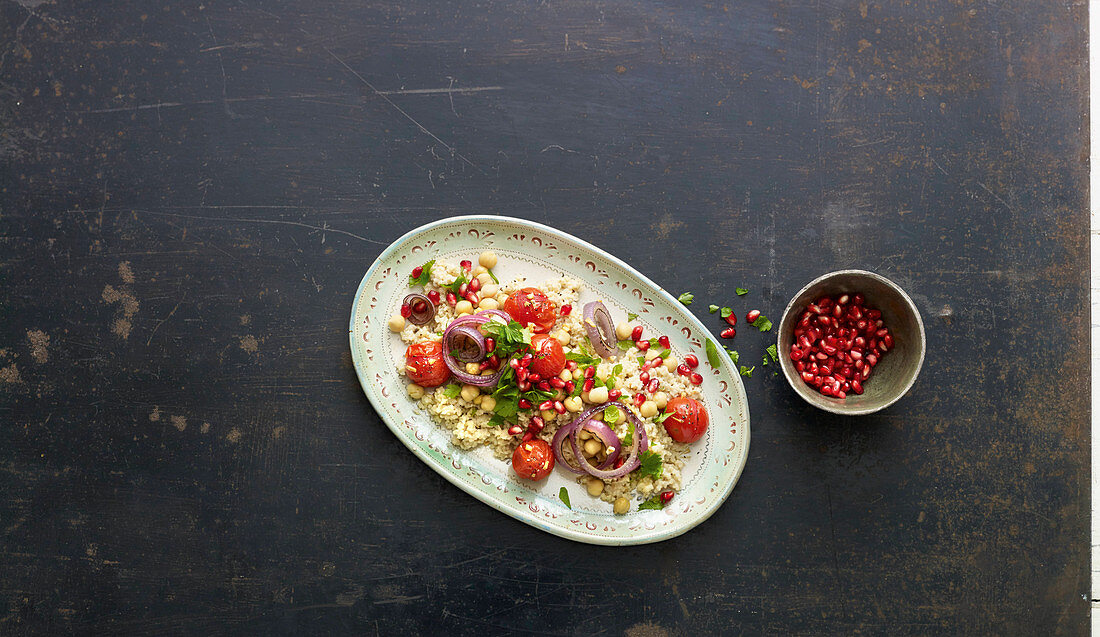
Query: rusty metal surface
(190, 193)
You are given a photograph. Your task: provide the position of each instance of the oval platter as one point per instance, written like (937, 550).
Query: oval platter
(539, 252)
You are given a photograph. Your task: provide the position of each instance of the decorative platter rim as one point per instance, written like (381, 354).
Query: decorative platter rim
(712, 470)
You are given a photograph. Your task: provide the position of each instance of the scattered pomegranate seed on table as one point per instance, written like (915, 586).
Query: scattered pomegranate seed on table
(752, 316)
(729, 332)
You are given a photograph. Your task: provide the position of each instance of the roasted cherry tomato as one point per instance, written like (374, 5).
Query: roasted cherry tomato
(687, 419)
(530, 308)
(424, 364)
(549, 357)
(533, 459)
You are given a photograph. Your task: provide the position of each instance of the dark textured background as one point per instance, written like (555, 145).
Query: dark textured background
(190, 193)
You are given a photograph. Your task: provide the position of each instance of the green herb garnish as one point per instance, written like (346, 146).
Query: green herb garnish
(454, 287)
(628, 439)
(425, 274)
(726, 312)
(611, 415)
(651, 465)
(747, 371)
(773, 352)
(626, 344)
(652, 503)
(742, 291)
(762, 323)
(452, 390)
(733, 354)
(630, 316)
(712, 354)
(712, 309)
(563, 495)
(494, 277)
(686, 298)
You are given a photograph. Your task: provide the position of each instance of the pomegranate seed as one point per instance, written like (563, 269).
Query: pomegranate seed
(466, 265)
(557, 383)
(494, 361)
(417, 271)
(692, 360)
(826, 390)
(537, 423)
(614, 394)
(664, 342)
(559, 407)
(657, 361)
(800, 366)
(514, 364)
(808, 377)
(515, 429)
(521, 373)
(473, 297)
(490, 344)
(683, 369)
(824, 320)
(666, 496)
(865, 372)
(857, 386)
(855, 313)
(639, 398)
(526, 360)
(838, 311)
(696, 379)
(619, 462)
(729, 332)
(588, 385)
(433, 296)
(814, 309)
(523, 385)
(571, 365)
(829, 349)
(641, 345)
(888, 341)
(475, 285)
(570, 386)
(566, 309)
(653, 385)
(874, 315)
(590, 371)
(796, 354)
(752, 316)
(528, 436)
(544, 386)
(463, 289)
(644, 377)
(533, 377)
(732, 319)
(452, 300)
(406, 310)
(524, 403)
(636, 334)
(843, 300)
(805, 342)
(857, 299)
(855, 354)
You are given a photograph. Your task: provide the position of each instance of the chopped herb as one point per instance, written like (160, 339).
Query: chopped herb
(609, 383)
(454, 287)
(762, 323)
(662, 416)
(563, 495)
(712, 309)
(686, 298)
(742, 291)
(652, 503)
(641, 360)
(733, 355)
(726, 312)
(611, 415)
(773, 352)
(425, 274)
(630, 316)
(494, 277)
(581, 358)
(628, 439)
(651, 465)
(664, 353)
(510, 338)
(618, 369)
(747, 371)
(626, 344)
(712, 354)
(452, 390)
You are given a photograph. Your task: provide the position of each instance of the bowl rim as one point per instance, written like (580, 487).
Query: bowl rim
(800, 387)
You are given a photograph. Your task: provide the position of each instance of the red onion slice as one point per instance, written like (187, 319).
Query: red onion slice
(563, 432)
(466, 328)
(423, 316)
(600, 329)
(470, 349)
(638, 446)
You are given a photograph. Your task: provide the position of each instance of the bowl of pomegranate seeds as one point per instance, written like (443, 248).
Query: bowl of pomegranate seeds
(851, 342)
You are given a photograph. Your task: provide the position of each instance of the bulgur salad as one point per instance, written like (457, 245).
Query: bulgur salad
(515, 366)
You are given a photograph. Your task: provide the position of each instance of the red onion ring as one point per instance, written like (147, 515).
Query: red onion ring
(600, 329)
(638, 446)
(465, 326)
(467, 354)
(422, 317)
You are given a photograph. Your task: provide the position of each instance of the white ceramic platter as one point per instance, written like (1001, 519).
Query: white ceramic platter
(539, 252)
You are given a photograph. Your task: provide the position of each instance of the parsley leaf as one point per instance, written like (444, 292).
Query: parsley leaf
(652, 503)
(712, 354)
(628, 439)
(630, 316)
(726, 312)
(742, 291)
(563, 495)
(664, 353)
(425, 274)
(762, 323)
(733, 355)
(651, 465)
(454, 287)
(452, 390)
(747, 371)
(661, 417)
(686, 298)
(712, 309)
(611, 415)
(494, 277)
(773, 352)
(626, 344)
(581, 359)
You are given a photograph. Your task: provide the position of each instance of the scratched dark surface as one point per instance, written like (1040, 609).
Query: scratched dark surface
(191, 192)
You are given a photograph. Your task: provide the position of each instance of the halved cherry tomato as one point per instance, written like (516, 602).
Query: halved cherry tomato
(549, 357)
(424, 364)
(687, 420)
(533, 459)
(530, 308)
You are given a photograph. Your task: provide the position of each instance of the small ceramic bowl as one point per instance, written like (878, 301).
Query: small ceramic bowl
(896, 371)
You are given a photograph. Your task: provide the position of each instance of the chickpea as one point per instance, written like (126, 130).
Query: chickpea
(598, 416)
(573, 404)
(660, 399)
(548, 414)
(487, 260)
(473, 368)
(651, 353)
(566, 375)
(488, 303)
(622, 505)
(477, 399)
(585, 397)
(397, 323)
(488, 404)
(502, 299)
(578, 374)
(416, 392)
(598, 395)
(464, 307)
(623, 330)
(480, 271)
(595, 487)
(563, 338)
(469, 392)
(671, 363)
(592, 447)
(648, 409)
(489, 289)
(584, 434)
